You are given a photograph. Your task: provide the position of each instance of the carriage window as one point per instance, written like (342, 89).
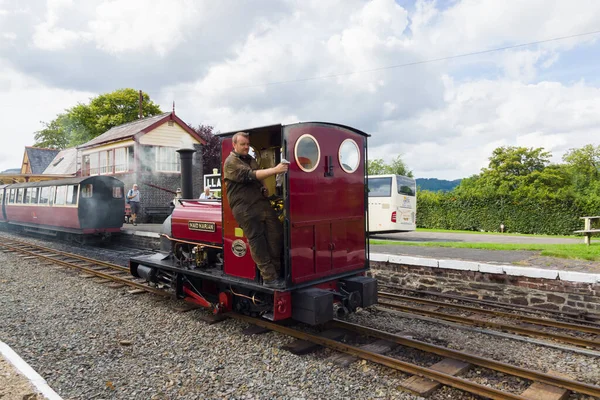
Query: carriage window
(26, 195)
(349, 155)
(61, 195)
(117, 192)
(87, 191)
(307, 153)
(19, 196)
(72, 194)
(44, 195)
(34, 195)
(12, 196)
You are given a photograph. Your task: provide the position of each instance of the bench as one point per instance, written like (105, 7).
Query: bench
(587, 228)
(156, 212)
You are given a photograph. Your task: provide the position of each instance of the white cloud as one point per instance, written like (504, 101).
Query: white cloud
(138, 25)
(24, 103)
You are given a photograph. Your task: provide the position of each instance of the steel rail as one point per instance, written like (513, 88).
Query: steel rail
(568, 384)
(387, 361)
(126, 281)
(71, 255)
(510, 328)
(532, 320)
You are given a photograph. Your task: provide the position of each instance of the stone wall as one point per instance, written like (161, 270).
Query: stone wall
(550, 294)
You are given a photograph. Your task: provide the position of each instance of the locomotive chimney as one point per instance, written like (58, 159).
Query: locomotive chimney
(187, 183)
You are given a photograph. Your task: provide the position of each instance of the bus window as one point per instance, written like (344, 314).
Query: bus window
(26, 195)
(72, 194)
(406, 186)
(19, 196)
(44, 195)
(11, 199)
(380, 187)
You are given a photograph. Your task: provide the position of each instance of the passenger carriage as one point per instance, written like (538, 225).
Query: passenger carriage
(322, 204)
(75, 206)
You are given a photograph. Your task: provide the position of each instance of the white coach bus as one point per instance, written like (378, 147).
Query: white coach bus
(392, 203)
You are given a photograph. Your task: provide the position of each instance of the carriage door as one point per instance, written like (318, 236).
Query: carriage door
(326, 204)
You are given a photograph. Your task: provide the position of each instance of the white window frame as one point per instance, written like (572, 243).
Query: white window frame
(165, 159)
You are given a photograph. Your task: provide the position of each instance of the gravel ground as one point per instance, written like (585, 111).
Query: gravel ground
(92, 342)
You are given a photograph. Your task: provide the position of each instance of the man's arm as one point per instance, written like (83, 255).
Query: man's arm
(262, 174)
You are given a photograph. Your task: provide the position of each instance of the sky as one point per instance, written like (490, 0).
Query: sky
(421, 77)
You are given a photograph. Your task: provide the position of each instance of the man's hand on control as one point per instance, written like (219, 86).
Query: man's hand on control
(281, 168)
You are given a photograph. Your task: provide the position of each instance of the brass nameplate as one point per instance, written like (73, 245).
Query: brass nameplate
(202, 226)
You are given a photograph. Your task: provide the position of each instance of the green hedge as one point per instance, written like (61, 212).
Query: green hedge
(485, 213)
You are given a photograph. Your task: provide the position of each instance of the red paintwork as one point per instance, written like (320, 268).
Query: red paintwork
(282, 306)
(242, 267)
(327, 214)
(197, 211)
(56, 216)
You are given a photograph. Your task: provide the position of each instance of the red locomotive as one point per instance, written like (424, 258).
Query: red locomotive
(321, 203)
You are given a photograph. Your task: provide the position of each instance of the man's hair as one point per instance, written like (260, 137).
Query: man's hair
(135, 184)
(234, 139)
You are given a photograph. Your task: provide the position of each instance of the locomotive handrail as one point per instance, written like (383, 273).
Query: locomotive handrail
(188, 242)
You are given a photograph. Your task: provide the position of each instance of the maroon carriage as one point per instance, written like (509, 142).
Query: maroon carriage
(74, 206)
(321, 203)
(2, 200)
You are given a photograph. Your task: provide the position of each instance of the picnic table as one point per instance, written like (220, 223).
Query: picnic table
(587, 228)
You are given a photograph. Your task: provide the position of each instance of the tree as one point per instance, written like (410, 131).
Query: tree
(379, 167)
(54, 135)
(211, 151)
(83, 122)
(584, 165)
(509, 168)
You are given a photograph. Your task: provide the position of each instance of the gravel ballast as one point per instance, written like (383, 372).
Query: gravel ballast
(93, 342)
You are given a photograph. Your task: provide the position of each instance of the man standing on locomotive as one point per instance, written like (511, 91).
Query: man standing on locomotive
(247, 197)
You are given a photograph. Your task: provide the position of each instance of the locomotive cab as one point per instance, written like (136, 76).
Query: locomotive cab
(321, 204)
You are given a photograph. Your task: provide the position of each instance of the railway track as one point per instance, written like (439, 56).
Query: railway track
(543, 385)
(109, 272)
(426, 378)
(483, 318)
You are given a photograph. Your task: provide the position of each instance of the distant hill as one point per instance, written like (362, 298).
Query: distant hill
(437, 185)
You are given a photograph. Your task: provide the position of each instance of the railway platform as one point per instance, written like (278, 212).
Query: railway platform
(19, 381)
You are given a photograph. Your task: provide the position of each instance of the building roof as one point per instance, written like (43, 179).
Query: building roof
(64, 163)
(11, 171)
(139, 127)
(40, 158)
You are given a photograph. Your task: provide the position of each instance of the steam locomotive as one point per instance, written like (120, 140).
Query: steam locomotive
(321, 202)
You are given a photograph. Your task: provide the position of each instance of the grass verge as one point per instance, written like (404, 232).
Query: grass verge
(574, 251)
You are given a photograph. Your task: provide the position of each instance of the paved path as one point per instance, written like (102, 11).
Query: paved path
(421, 236)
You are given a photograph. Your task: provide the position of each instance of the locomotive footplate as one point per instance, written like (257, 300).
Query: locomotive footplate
(164, 261)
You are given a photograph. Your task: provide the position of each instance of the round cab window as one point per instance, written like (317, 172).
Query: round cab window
(349, 155)
(307, 153)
